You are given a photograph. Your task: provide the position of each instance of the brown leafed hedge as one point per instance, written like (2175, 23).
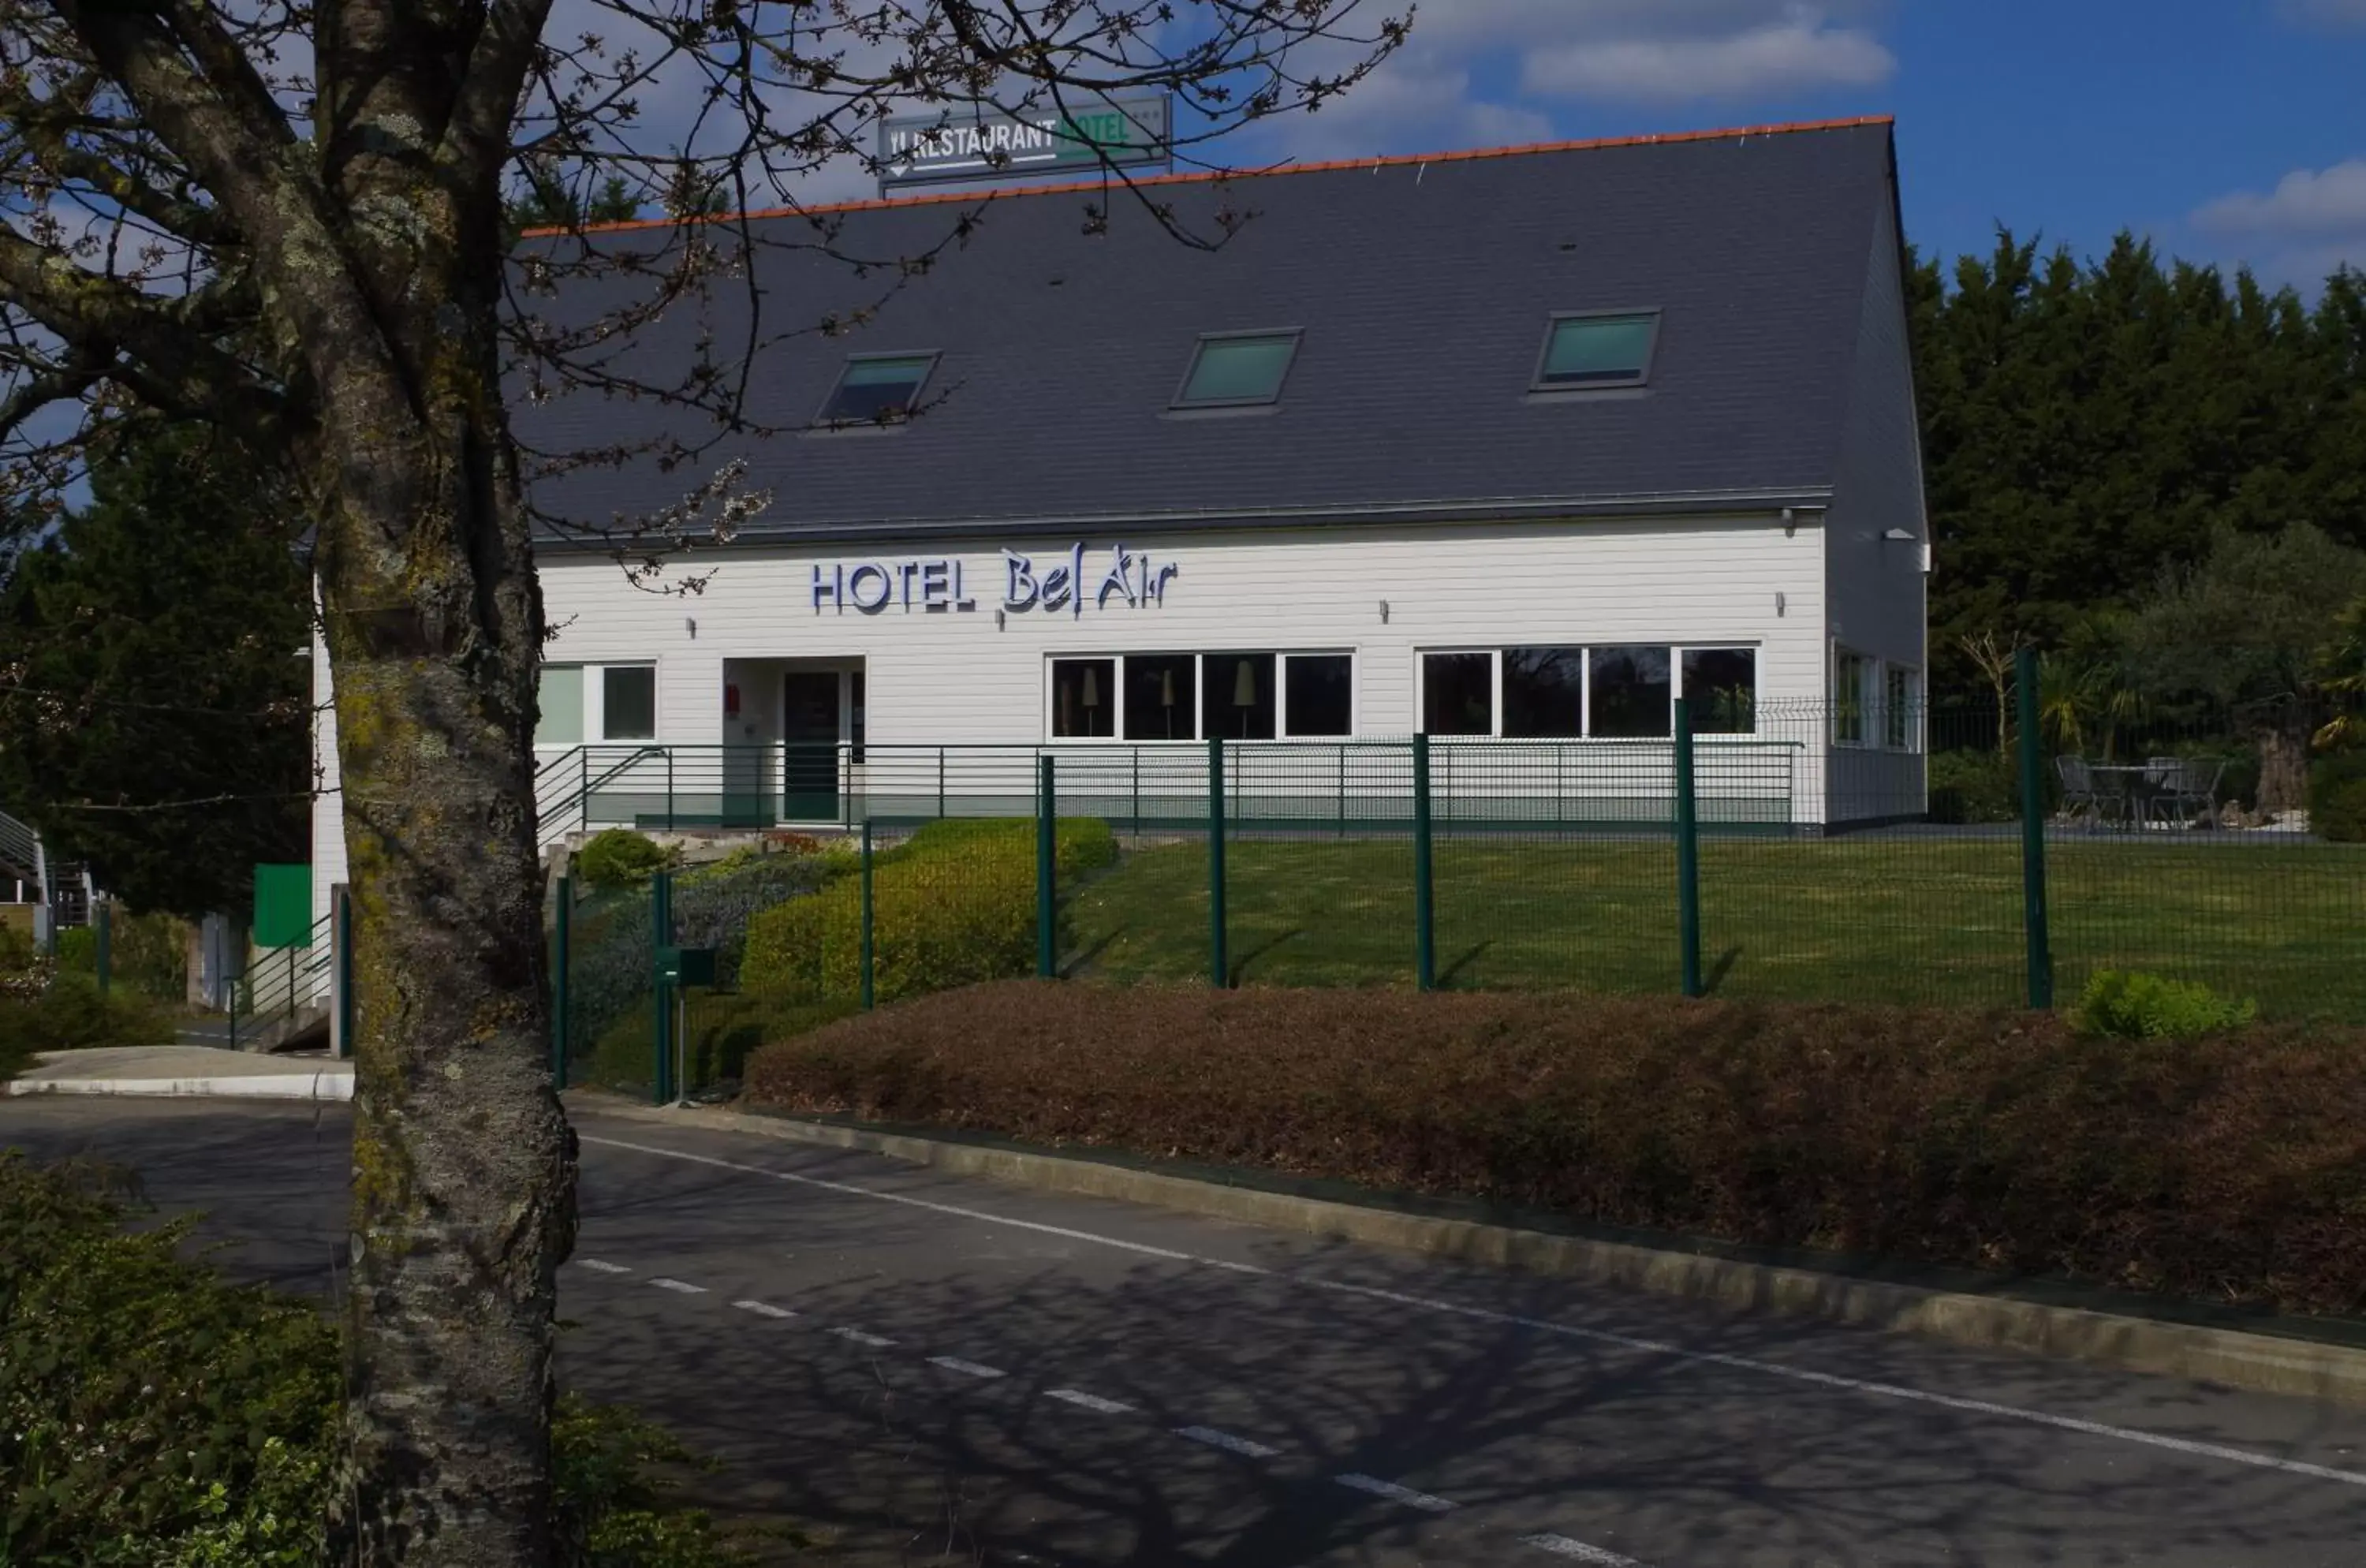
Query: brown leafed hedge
(2230, 1168)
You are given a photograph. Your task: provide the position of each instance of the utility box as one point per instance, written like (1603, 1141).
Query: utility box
(686, 965)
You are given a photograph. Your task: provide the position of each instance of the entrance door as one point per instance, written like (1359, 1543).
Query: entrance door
(809, 734)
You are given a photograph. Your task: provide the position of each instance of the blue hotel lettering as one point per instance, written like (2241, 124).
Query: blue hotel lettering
(935, 585)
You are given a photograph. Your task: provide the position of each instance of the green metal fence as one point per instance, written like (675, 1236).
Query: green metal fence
(1877, 854)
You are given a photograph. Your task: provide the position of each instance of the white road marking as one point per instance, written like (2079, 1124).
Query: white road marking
(1226, 1441)
(679, 1287)
(763, 1309)
(1567, 1331)
(1578, 1551)
(873, 1340)
(600, 1266)
(1088, 1401)
(1396, 1494)
(955, 1364)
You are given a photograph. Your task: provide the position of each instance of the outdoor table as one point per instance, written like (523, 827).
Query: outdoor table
(2133, 784)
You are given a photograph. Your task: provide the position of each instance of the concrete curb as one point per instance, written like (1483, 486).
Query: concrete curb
(256, 1086)
(2229, 1357)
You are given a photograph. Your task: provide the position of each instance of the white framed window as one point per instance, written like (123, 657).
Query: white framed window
(1852, 675)
(579, 702)
(1600, 691)
(1901, 707)
(1239, 694)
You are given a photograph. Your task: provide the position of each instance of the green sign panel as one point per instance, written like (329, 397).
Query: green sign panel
(282, 906)
(979, 143)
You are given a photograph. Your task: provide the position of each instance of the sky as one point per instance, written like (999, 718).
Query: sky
(2231, 131)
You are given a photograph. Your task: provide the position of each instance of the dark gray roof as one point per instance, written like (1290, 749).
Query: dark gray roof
(1422, 288)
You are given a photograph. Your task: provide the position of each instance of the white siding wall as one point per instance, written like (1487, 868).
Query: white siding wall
(1877, 585)
(957, 677)
(328, 804)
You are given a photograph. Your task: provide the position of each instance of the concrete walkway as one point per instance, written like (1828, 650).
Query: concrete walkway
(184, 1070)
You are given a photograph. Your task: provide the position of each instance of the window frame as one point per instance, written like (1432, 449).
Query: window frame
(1200, 658)
(929, 359)
(1757, 653)
(657, 705)
(582, 706)
(1183, 403)
(1849, 711)
(1901, 731)
(1642, 377)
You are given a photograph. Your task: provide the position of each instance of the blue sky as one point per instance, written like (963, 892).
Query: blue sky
(2229, 130)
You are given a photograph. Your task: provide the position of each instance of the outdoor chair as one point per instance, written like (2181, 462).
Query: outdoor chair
(2189, 793)
(2078, 797)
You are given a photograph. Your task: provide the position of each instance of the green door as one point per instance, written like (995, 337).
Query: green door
(809, 732)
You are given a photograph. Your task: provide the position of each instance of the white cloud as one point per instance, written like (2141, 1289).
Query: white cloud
(2306, 203)
(1799, 52)
(2324, 13)
(1494, 70)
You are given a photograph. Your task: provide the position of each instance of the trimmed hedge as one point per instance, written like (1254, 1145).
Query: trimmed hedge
(2230, 1168)
(952, 906)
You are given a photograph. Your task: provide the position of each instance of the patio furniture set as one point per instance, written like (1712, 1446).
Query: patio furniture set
(2166, 792)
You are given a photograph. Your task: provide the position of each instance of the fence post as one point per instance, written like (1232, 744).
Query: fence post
(341, 972)
(660, 989)
(1047, 872)
(1687, 853)
(864, 953)
(1424, 911)
(562, 940)
(668, 757)
(1219, 964)
(2033, 832)
(102, 920)
(940, 790)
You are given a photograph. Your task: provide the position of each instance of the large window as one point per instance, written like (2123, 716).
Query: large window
(877, 388)
(1084, 698)
(1619, 691)
(1244, 695)
(1591, 349)
(576, 703)
(1160, 694)
(1629, 693)
(1850, 671)
(558, 702)
(1241, 704)
(1901, 708)
(1721, 684)
(628, 701)
(1544, 693)
(1319, 692)
(1457, 694)
(1234, 369)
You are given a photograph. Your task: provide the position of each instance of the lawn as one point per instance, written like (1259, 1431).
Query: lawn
(1903, 918)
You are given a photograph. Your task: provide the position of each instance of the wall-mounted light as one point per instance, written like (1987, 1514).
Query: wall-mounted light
(997, 620)
(692, 625)
(1781, 605)
(1384, 612)
(1898, 535)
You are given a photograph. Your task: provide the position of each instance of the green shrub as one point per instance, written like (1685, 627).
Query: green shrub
(77, 950)
(2127, 1006)
(952, 906)
(612, 958)
(145, 954)
(619, 857)
(2337, 797)
(72, 1015)
(1973, 786)
(720, 1030)
(152, 1416)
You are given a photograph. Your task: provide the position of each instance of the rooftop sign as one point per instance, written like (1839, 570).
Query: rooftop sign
(977, 143)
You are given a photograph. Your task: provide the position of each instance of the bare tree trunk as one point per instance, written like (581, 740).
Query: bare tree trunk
(2284, 762)
(463, 1202)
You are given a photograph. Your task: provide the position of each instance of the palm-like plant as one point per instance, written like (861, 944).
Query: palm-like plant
(2341, 676)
